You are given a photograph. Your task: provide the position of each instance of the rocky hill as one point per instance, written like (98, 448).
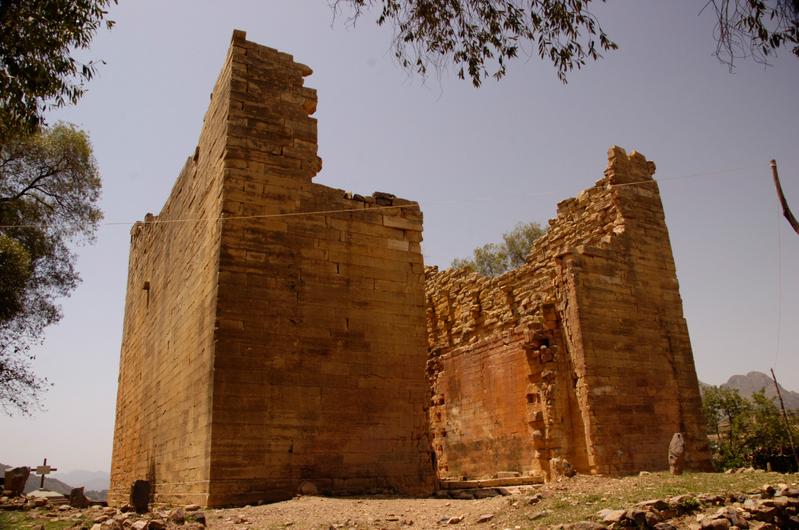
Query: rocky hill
(748, 384)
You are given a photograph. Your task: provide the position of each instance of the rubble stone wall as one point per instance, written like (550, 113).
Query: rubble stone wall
(580, 354)
(307, 355)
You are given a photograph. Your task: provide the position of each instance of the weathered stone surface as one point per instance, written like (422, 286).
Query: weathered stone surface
(77, 499)
(612, 516)
(272, 347)
(177, 516)
(308, 488)
(586, 340)
(676, 454)
(15, 479)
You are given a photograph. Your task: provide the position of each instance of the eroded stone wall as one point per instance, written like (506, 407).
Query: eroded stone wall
(580, 354)
(280, 346)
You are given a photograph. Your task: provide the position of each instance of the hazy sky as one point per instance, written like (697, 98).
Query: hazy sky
(478, 161)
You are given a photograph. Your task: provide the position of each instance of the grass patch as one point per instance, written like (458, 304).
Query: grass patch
(19, 520)
(582, 497)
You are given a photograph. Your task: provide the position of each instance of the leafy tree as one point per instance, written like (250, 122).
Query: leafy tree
(493, 259)
(480, 36)
(727, 414)
(745, 432)
(37, 69)
(49, 189)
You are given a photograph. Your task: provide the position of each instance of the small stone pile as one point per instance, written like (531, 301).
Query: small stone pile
(770, 508)
(106, 518)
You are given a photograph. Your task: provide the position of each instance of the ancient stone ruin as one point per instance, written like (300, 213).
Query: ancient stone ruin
(262, 352)
(275, 337)
(578, 359)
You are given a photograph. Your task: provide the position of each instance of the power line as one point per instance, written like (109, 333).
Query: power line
(374, 208)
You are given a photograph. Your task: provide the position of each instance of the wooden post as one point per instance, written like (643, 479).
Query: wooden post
(783, 202)
(785, 417)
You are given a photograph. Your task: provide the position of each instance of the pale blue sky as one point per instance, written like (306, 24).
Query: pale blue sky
(478, 161)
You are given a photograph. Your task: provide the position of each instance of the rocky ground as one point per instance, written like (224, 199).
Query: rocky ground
(697, 501)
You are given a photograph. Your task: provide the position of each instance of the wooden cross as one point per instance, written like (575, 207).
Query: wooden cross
(43, 470)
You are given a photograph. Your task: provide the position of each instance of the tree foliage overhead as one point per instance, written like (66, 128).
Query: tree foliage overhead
(49, 189)
(493, 259)
(754, 28)
(479, 37)
(37, 69)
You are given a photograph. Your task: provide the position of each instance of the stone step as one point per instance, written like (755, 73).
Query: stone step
(490, 482)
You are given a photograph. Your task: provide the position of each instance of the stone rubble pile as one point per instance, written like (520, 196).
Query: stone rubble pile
(106, 518)
(771, 507)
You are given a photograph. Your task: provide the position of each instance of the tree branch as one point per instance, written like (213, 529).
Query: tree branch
(32, 184)
(786, 211)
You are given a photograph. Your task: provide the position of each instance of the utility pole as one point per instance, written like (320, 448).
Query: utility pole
(785, 418)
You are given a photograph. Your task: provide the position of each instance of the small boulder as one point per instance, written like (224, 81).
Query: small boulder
(715, 524)
(308, 488)
(535, 499)
(612, 516)
(485, 517)
(177, 516)
(15, 479)
(560, 467)
(77, 499)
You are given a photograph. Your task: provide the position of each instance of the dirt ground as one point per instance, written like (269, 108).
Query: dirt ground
(569, 500)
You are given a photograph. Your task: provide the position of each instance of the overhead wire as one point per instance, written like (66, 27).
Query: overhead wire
(410, 204)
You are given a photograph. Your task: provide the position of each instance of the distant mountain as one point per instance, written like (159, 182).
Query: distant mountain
(748, 384)
(91, 480)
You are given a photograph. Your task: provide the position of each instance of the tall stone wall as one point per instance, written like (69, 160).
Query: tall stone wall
(307, 357)
(319, 370)
(164, 400)
(580, 354)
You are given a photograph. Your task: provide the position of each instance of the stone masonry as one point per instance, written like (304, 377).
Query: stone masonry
(275, 330)
(579, 358)
(264, 347)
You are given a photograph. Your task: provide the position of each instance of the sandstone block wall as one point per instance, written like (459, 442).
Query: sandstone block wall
(580, 354)
(284, 347)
